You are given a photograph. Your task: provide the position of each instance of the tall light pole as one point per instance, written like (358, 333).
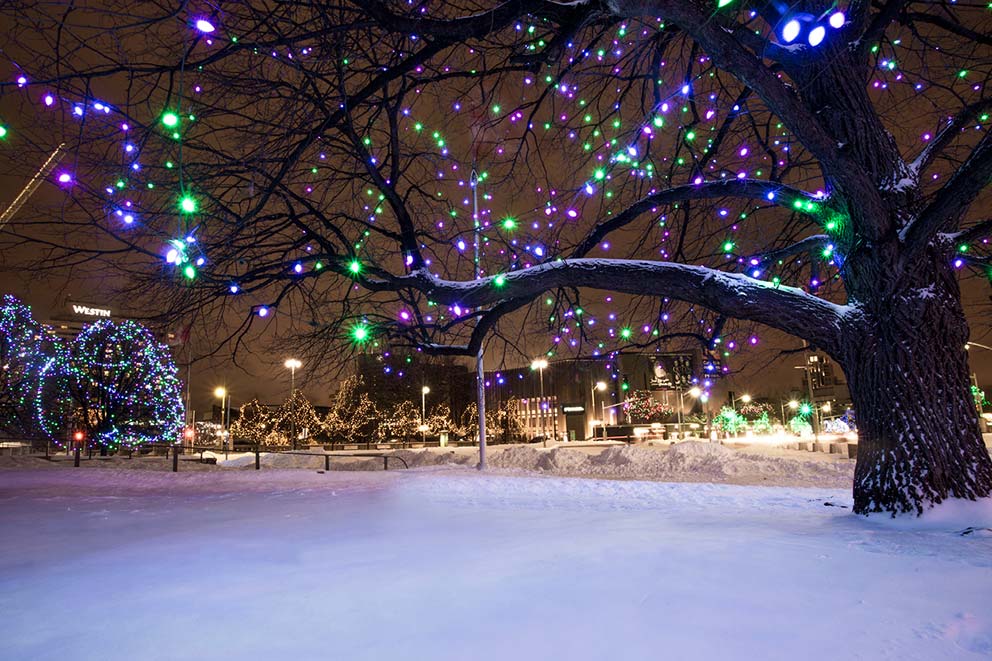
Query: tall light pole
(793, 405)
(480, 371)
(292, 364)
(423, 413)
(601, 387)
(539, 365)
(221, 392)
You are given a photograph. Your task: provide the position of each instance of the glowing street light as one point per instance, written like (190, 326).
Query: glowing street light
(423, 413)
(292, 364)
(221, 393)
(601, 387)
(540, 364)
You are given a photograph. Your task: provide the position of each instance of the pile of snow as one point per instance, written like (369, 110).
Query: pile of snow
(691, 461)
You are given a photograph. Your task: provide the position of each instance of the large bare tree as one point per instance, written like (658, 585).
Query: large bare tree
(814, 168)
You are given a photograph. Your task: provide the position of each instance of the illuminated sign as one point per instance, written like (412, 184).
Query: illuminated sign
(87, 311)
(573, 409)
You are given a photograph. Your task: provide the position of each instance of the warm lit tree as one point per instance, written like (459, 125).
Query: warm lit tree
(806, 166)
(254, 423)
(296, 415)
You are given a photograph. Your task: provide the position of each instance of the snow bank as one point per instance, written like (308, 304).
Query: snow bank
(691, 461)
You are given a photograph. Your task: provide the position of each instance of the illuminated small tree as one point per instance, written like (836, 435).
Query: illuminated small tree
(296, 409)
(123, 386)
(254, 423)
(643, 407)
(31, 361)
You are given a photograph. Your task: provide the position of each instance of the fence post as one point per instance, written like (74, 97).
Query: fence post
(258, 459)
(175, 460)
(76, 460)
(385, 462)
(327, 462)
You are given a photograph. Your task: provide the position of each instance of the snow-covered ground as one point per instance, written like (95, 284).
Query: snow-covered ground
(691, 461)
(446, 563)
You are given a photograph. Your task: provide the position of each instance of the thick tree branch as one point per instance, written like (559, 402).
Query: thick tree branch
(785, 308)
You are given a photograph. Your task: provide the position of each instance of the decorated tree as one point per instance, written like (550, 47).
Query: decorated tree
(353, 416)
(403, 421)
(763, 425)
(296, 416)
(439, 418)
(254, 423)
(643, 407)
(730, 421)
(468, 422)
(426, 176)
(509, 426)
(801, 426)
(122, 386)
(31, 358)
(756, 410)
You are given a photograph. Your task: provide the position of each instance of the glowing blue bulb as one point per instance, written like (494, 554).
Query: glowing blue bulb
(204, 26)
(837, 20)
(234, 289)
(791, 31)
(816, 35)
(49, 100)
(263, 311)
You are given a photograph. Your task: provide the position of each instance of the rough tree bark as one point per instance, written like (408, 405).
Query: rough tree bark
(907, 369)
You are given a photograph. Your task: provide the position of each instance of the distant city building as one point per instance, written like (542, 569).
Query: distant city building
(72, 316)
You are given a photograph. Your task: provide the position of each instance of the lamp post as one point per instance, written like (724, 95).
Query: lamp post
(601, 387)
(539, 365)
(423, 413)
(792, 404)
(222, 393)
(292, 364)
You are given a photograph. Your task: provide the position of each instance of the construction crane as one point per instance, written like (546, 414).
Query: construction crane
(32, 186)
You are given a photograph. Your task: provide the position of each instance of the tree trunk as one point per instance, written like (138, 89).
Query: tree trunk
(907, 369)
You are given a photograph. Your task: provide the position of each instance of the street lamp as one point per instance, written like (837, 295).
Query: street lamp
(423, 413)
(743, 398)
(601, 387)
(292, 364)
(539, 365)
(222, 394)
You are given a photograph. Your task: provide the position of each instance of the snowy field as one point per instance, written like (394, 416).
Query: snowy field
(445, 563)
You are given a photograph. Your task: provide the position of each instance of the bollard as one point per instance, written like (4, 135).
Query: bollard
(89, 454)
(175, 461)
(76, 461)
(327, 462)
(385, 462)
(258, 460)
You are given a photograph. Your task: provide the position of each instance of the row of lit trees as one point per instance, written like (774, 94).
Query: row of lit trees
(114, 384)
(356, 417)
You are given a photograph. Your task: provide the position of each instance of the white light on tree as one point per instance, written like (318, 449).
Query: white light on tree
(791, 31)
(816, 35)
